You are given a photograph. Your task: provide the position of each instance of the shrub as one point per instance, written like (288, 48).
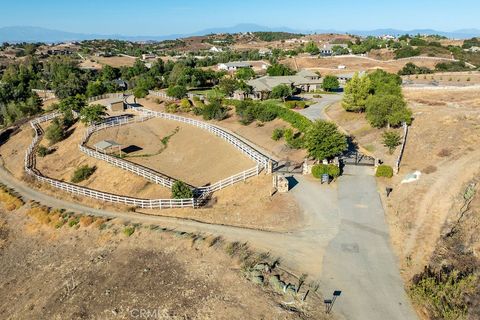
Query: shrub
(83, 173)
(171, 107)
(9, 200)
(277, 133)
(128, 231)
(177, 91)
(180, 190)
(214, 110)
(185, 105)
(55, 132)
(294, 140)
(384, 171)
(333, 171)
(43, 151)
(319, 169)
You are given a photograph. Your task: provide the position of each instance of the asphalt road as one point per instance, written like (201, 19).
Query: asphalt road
(316, 111)
(359, 260)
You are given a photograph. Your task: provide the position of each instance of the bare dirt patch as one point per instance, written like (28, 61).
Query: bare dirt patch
(259, 134)
(86, 272)
(116, 62)
(191, 154)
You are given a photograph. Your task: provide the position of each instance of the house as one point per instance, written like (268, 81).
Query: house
(215, 50)
(473, 49)
(344, 78)
(327, 49)
(304, 80)
(121, 84)
(147, 56)
(264, 52)
(234, 66)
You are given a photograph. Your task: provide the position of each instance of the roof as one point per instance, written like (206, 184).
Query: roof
(238, 64)
(307, 73)
(267, 83)
(349, 75)
(105, 144)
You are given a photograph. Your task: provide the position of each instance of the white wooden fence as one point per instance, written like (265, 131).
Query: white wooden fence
(162, 95)
(86, 192)
(149, 174)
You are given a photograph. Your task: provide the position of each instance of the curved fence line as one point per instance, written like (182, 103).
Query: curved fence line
(30, 161)
(151, 174)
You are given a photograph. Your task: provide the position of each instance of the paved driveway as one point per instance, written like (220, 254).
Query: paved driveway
(316, 111)
(359, 260)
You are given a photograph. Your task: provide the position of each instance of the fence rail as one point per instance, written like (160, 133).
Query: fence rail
(30, 161)
(147, 173)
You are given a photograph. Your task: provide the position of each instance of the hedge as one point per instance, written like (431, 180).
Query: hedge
(320, 169)
(384, 171)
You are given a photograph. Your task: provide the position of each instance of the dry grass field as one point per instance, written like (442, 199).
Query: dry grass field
(446, 78)
(94, 270)
(329, 65)
(116, 62)
(257, 133)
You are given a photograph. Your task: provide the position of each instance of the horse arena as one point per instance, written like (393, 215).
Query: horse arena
(147, 136)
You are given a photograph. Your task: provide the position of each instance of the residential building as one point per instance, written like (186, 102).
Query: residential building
(234, 66)
(215, 50)
(327, 49)
(303, 81)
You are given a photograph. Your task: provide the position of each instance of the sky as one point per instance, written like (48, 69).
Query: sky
(161, 17)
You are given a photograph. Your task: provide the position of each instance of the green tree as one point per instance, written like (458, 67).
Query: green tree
(282, 91)
(214, 111)
(140, 92)
(330, 83)
(279, 70)
(55, 132)
(311, 48)
(227, 86)
(95, 88)
(177, 91)
(391, 140)
(245, 74)
(180, 190)
(385, 83)
(387, 110)
(324, 141)
(357, 91)
(93, 113)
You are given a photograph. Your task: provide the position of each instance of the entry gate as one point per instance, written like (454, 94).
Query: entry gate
(357, 159)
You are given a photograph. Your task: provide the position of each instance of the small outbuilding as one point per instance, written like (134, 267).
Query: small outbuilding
(115, 104)
(108, 146)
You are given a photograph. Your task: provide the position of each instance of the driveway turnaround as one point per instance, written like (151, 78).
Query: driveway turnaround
(359, 260)
(316, 111)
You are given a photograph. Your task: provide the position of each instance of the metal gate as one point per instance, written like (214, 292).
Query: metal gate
(288, 167)
(357, 159)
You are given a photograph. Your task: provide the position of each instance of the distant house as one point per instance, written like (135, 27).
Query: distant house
(215, 50)
(305, 80)
(345, 77)
(264, 52)
(473, 49)
(121, 84)
(234, 66)
(147, 56)
(327, 49)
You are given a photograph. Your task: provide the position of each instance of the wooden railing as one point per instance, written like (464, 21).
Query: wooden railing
(30, 161)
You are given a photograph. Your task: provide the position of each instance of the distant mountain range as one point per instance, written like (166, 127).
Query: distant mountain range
(37, 34)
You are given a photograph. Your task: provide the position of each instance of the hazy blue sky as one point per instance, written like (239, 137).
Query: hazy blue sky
(149, 17)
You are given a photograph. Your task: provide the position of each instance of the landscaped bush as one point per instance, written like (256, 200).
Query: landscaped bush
(384, 171)
(171, 107)
(295, 104)
(185, 105)
(319, 170)
(332, 170)
(55, 132)
(278, 133)
(83, 173)
(214, 110)
(294, 140)
(180, 190)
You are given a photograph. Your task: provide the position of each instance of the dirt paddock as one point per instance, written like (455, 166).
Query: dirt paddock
(191, 154)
